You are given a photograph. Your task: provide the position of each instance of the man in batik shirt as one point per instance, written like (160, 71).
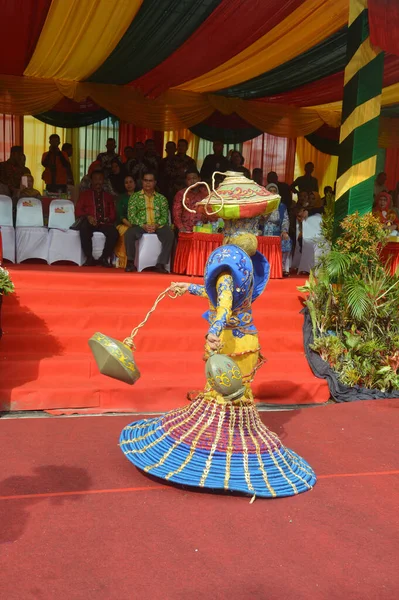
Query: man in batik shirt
(148, 212)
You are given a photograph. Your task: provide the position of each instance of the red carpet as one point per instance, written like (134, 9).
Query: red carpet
(79, 521)
(46, 362)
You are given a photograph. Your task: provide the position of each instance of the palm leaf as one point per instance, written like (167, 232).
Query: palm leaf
(338, 264)
(358, 300)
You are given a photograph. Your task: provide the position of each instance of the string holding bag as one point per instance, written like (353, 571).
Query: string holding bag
(115, 358)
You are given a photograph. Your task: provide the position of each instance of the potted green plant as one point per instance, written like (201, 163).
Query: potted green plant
(6, 287)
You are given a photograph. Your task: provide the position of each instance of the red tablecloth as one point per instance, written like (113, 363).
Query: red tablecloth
(193, 250)
(201, 246)
(391, 253)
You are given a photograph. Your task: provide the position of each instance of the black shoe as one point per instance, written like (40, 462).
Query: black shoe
(104, 262)
(90, 262)
(161, 269)
(130, 267)
(286, 274)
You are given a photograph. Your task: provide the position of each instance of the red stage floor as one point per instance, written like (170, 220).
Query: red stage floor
(79, 521)
(46, 363)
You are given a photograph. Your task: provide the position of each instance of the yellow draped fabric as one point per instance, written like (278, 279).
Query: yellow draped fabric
(185, 134)
(390, 95)
(311, 23)
(173, 110)
(78, 36)
(325, 165)
(36, 141)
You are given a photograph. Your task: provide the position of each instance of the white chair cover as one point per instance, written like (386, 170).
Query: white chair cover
(29, 212)
(148, 248)
(6, 211)
(64, 243)
(31, 237)
(311, 235)
(61, 214)
(7, 229)
(98, 242)
(8, 242)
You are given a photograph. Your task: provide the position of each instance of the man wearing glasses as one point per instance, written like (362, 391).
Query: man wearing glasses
(148, 212)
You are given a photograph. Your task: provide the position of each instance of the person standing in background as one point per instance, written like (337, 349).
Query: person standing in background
(166, 172)
(182, 163)
(283, 189)
(214, 162)
(107, 157)
(56, 166)
(380, 184)
(306, 182)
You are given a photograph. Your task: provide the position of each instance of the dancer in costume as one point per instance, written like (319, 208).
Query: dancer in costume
(219, 442)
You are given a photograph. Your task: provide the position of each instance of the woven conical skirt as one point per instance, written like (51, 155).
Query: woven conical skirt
(217, 445)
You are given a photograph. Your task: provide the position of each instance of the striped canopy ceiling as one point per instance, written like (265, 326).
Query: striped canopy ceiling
(247, 65)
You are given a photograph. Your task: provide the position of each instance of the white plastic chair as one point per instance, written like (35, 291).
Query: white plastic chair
(64, 243)
(31, 235)
(7, 228)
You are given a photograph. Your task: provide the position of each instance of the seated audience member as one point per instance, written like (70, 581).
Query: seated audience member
(151, 157)
(306, 182)
(283, 189)
(166, 172)
(182, 219)
(12, 170)
(138, 166)
(237, 164)
(257, 176)
(278, 224)
(123, 222)
(128, 154)
(85, 183)
(117, 177)
(56, 167)
(181, 164)
(27, 190)
(328, 193)
(383, 211)
(380, 184)
(98, 211)
(148, 212)
(107, 157)
(214, 162)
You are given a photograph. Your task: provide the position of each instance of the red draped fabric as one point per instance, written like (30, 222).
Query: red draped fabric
(233, 26)
(390, 254)
(202, 244)
(271, 248)
(182, 253)
(384, 24)
(329, 89)
(11, 134)
(392, 167)
(22, 22)
(271, 153)
(130, 134)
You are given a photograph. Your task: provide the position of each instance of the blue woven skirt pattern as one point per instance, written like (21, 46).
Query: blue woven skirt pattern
(217, 446)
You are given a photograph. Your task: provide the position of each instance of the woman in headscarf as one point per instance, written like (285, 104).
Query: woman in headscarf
(384, 212)
(117, 176)
(123, 223)
(278, 224)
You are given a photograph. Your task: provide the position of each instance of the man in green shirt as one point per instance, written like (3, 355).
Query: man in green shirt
(148, 212)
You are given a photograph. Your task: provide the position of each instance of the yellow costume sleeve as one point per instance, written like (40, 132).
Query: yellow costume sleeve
(224, 288)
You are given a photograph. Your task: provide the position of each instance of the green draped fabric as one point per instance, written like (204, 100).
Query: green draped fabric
(322, 144)
(325, 59)
(228, 136)
(158, 29)
(71, 120)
